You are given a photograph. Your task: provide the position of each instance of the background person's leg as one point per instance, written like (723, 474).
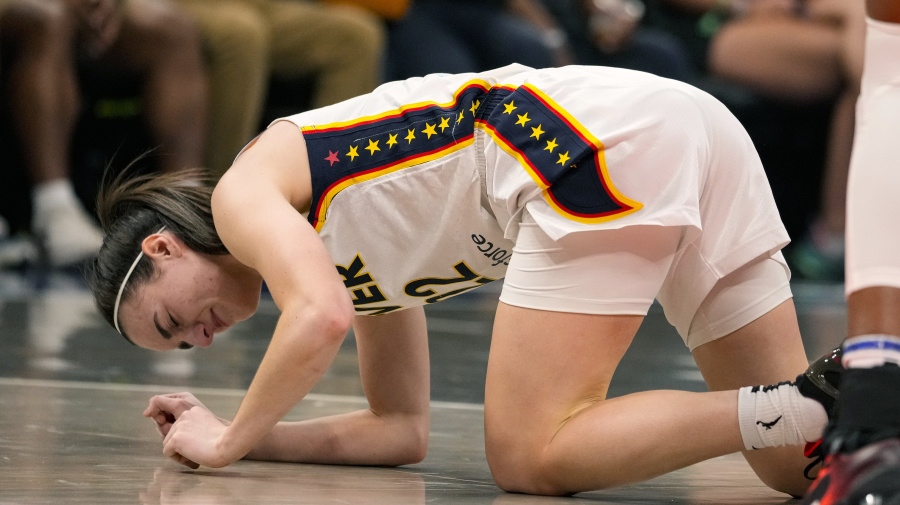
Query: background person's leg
(43, 89)
(237, 59)
(160, 43)
(45, 101)
(341, 46)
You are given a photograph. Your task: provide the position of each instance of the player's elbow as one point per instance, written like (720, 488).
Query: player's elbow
(333, 316)
(416, 454)
(419, 439)
(337, 321)
(342, 310)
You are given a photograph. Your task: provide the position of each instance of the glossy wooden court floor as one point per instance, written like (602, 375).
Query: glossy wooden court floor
(72, 392)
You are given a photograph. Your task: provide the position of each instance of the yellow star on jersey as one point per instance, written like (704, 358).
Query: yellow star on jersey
(459, 118)
(373, 146)
(445, 123)
(523, 118)
(353, 154)
(551, 145)
(537, 132)
(563, 158)
(511, 106)
(475, 106)
(410, 136)
(429, 130)
(392, 140)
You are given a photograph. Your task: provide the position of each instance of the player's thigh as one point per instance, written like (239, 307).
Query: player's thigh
(569, 310)
(766, 351)
(748, 327)
(543, 368)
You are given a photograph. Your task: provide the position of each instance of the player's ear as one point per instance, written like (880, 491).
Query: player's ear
(163, 245)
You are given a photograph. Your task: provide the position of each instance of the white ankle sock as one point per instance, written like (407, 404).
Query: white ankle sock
(778, 415)
(868, 351)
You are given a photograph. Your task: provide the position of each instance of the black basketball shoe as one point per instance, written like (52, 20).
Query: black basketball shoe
(868, 476)
(862, 442)
(821, 382)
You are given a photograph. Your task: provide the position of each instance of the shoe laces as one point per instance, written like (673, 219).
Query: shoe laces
(815, 451)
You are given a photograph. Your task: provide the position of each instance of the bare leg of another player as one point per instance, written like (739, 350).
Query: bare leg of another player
(863, 442)
(873, 266)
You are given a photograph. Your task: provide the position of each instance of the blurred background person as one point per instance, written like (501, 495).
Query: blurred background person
(796, 52)
(468, 36)
(43, 44)
(455, 36)
(250, 43)
(612, 33)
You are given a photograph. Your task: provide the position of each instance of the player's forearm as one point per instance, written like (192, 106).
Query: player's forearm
(355, 438)
(303, 346)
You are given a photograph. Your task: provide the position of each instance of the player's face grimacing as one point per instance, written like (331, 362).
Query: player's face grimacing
(191, 298)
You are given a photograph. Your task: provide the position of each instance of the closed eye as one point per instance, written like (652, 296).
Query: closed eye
(162, 331)
(183, 345)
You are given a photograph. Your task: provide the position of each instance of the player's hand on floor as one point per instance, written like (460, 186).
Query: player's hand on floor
(195, 438)
(165, 409)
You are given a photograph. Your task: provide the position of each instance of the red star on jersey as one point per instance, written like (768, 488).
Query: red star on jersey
(332, 157)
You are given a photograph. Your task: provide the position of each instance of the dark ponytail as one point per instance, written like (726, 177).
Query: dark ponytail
(133, 207)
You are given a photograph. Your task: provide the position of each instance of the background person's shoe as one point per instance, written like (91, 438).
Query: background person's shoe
(67, 233)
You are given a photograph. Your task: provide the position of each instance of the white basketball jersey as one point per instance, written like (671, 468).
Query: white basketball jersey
(418, 187)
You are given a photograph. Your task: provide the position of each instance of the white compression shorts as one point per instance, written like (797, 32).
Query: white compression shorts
(873, 188)
(621, 271)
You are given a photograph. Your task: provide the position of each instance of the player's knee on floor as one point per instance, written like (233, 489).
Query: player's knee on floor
(520, 466)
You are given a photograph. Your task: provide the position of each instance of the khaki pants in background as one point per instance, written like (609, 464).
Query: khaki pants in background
(249, 41)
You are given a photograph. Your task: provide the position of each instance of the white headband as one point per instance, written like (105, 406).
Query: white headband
(124, 282)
